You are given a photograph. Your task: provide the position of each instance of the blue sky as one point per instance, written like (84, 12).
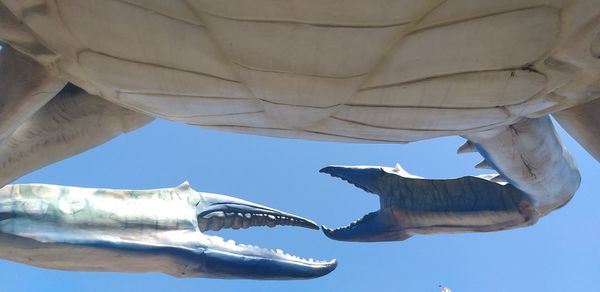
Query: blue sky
(559, 253)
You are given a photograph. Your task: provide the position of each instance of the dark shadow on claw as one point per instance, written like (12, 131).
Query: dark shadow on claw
(230, 265)
(412, 205)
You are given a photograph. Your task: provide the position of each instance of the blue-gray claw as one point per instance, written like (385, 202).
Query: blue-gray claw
(413, 205)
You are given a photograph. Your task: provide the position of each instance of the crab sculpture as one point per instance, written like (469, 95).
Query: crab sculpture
(77, 73)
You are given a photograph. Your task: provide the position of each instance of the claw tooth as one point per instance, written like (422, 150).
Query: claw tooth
(202, 225)
(468, 147)
(238, 221)
(271, 221)
(483, 165)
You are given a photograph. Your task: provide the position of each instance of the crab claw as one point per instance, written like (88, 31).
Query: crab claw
(160, 230)
(412, 205)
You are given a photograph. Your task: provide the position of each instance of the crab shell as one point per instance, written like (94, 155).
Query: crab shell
(380, 71)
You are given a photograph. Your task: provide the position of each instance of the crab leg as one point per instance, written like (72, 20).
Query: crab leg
(582, 122)
(25, 87)
(42, 121)
(537, 175)
(71, 123)
(531, 157)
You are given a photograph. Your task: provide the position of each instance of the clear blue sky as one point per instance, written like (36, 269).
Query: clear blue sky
(560, 253)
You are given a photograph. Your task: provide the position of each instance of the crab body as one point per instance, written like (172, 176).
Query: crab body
(351, 71)
(333, 70)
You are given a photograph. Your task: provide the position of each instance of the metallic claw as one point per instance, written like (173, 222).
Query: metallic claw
(158, 230)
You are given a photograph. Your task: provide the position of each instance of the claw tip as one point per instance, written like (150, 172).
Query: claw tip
(326, 230)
